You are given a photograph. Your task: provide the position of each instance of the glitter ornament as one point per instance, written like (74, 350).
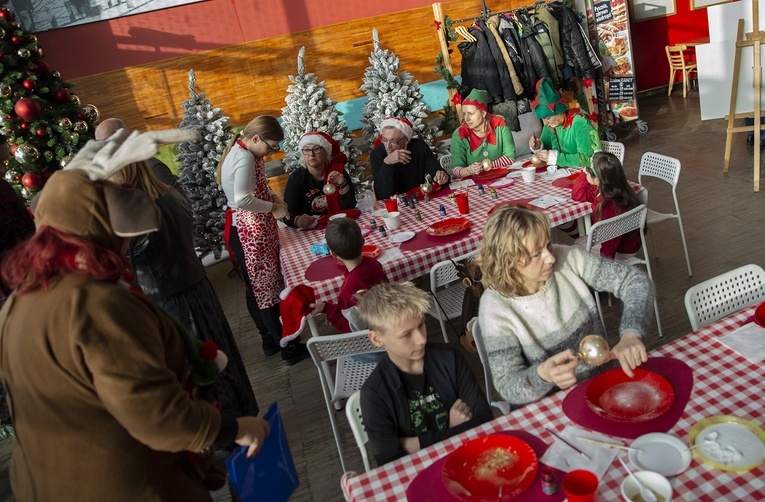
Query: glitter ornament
(594, 350)
(486, 163)
(26, 154)
(62, 95)
(80, 127)
(65, 160)
(91, 113)
(329, 189)
(65, 123)
(23, 53)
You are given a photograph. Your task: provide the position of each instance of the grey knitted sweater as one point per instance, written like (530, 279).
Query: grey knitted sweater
(522, 332)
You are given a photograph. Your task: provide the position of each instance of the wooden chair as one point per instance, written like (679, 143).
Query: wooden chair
(677, 62)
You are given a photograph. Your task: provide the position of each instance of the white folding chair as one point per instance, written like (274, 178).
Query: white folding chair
(614, 147)
(502, 406)
(353, 413)
(349, 375)
(719, 296)
(448, 290)
(667, 169)
(605, 230)
(446, 163)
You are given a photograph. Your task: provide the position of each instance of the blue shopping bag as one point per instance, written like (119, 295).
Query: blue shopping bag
(270, 475)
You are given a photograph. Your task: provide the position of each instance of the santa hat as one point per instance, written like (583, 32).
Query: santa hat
(293, 309)
(399, 123)
(478, 98)
(322, 139)
(549, 101)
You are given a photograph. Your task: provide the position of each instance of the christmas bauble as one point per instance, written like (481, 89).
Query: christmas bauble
(38, 52)
(33, 181)
(42, 67)
(65, 123)
(75, 100)
(329, 189)
(40, 133)
(594, 350)
(65, 160)
(63, 95)
(27, 108)
(29, 84)
(13, 149)
(12, 176)
(26, 193)
(23, 53)
(24, 126)
(32, 39)
(26, 154)
(80, 127)
(16, 40)
(55, 74)
(486, 163)
(91, 112)
(48, 155)
(6, 14)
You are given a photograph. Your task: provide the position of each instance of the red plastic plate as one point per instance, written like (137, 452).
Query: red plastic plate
(370, 250)
(418, 192)
(519, 202)
(350, 213)
(490, 174)
(759, 315)
(540, 167)
(615, 396)
(479, 468)
(449, 226)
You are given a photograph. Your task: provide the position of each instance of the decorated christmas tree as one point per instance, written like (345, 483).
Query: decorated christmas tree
(43, 122)
(393, 94)
(198, 163)
(310, 109)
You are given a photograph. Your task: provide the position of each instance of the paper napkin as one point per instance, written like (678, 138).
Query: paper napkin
(456, 185)
(748, 340)
(555, 174)
(563, 457)
(389, 254)
(546, 201)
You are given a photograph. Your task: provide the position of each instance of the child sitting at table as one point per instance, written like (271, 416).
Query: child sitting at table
(606, 187)
(345, 241)
(414, 398)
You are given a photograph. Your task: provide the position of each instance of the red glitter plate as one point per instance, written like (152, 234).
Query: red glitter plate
(449, 226)
(370, 250)
(491, 174)
(615, 396)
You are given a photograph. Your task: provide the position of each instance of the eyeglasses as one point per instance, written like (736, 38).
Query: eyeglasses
(272, 148)
(387, 141)
(315, 150)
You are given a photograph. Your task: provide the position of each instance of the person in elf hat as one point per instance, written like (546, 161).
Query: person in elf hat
(400, 162)
(252, 231)
(568, 138)
(324, 166)
(481, 135)
(94, 370)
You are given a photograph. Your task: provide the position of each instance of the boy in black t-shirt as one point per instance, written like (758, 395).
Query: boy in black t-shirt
(413, 398)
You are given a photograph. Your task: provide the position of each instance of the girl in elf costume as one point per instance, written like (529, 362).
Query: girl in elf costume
(482, 135)
(568, 138)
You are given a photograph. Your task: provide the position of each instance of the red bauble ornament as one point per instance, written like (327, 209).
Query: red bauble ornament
(13, 148)
(32, 181)
(27, 108)
(63, 95)
(42, 66)
(16, 40)
(24, 126)
(29, 84)
(6, 14)
(80, 116)
(41, 133)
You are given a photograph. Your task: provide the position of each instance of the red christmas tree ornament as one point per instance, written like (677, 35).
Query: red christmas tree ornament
(29, 84)
(42, 67)
(6, 14)
(24, 126)
(27, 108)
(16, 40)
(40, 133)
(208, 350)
(13, 148)
(63, 95)
(32, 181)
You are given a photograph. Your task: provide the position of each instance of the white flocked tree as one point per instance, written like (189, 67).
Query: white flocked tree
(310, 109)
(198, 162)
(393, 94)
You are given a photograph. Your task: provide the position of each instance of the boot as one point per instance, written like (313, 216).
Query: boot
(294, 352)
(270, 349)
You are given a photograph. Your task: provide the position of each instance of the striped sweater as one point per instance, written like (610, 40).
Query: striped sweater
(522, 332)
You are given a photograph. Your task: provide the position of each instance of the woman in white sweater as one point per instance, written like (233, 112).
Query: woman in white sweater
(538, 306)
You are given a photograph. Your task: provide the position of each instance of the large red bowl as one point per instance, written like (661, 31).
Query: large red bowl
(478, 469)
(759, 315)
(615, 396)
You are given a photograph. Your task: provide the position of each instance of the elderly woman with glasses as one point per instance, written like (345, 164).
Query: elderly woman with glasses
(324, 166)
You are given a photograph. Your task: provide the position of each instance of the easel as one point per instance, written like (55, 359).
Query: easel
(755, 40)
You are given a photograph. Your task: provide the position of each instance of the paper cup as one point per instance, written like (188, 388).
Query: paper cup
(580, 486)
(392, 220)
(528, 173)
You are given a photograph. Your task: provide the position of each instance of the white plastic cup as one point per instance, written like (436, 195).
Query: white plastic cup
(392, 220)
(529, 174)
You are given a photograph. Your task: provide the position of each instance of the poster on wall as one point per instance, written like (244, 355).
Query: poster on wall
(703, 4)
(617, 91)
(43, 15)
(643, 10)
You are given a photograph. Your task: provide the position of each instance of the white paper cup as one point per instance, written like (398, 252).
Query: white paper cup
(392, 220)
(529, 173)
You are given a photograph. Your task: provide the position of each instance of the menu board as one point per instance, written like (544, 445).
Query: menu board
(621, 88)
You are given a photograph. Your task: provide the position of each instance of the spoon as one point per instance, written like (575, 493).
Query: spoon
(647, 494)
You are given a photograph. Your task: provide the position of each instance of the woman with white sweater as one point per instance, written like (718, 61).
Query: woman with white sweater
(538, 306)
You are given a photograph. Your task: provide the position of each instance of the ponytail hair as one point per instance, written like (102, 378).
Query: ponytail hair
(265, 127)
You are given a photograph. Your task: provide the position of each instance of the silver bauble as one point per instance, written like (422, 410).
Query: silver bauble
(594, 350)
(48, 155)
(23, 53)
(26, 193)
(91, 112)
(486, 163)
(80, 127)
(32, 39)
(75, 100)
(329, 189)
(65, 123)
(55, 74)
(65, 160)
(2, 33)
(5, 90)
(26, 154)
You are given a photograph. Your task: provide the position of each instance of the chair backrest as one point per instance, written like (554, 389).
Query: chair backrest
(659, 166)
(356, 421)
(676, 56)
(444, 272)
(446, 163)
(502, 406)
(614, 147)
(719, 296)
(327, 348)
(611, 228)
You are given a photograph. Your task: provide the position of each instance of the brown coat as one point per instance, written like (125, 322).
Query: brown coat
(93, 373)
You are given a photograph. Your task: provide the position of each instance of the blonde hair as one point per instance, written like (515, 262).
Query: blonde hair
(265, 127)
(141, 175)
(387, 304)
(502, 251)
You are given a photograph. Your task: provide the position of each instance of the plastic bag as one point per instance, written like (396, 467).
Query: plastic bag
(271, 474)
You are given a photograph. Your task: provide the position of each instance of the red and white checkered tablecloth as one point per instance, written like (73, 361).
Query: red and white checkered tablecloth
(295, 244)
(724, 383)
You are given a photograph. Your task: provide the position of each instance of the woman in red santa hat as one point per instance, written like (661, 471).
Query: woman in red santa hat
(324, 186)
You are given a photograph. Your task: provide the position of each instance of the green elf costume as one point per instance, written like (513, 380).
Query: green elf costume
(572, 143)
(497, 145)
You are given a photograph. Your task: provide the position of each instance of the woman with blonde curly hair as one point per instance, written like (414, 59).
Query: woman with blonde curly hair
(538, 306)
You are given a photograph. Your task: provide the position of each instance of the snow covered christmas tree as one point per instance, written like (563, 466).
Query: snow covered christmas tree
(310, 109)
(42, 120)
(393, 94)
(198, 163)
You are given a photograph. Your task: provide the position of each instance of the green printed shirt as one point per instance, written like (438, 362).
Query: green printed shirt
(576, 140)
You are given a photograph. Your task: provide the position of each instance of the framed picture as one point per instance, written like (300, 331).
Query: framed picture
(643, 10)
(703, 4)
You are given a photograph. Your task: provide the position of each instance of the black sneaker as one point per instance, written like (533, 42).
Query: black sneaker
(294, 352)
(271, 350)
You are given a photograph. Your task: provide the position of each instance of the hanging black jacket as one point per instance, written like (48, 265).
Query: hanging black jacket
(534, 57)
(479, 71)
(575, 51)
(508, 92)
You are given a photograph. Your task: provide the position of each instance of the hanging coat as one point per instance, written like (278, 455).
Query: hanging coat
(575, 52)
(479, 71)
(539, 31)
(546, 16)
(532, 61)
(492, 25)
